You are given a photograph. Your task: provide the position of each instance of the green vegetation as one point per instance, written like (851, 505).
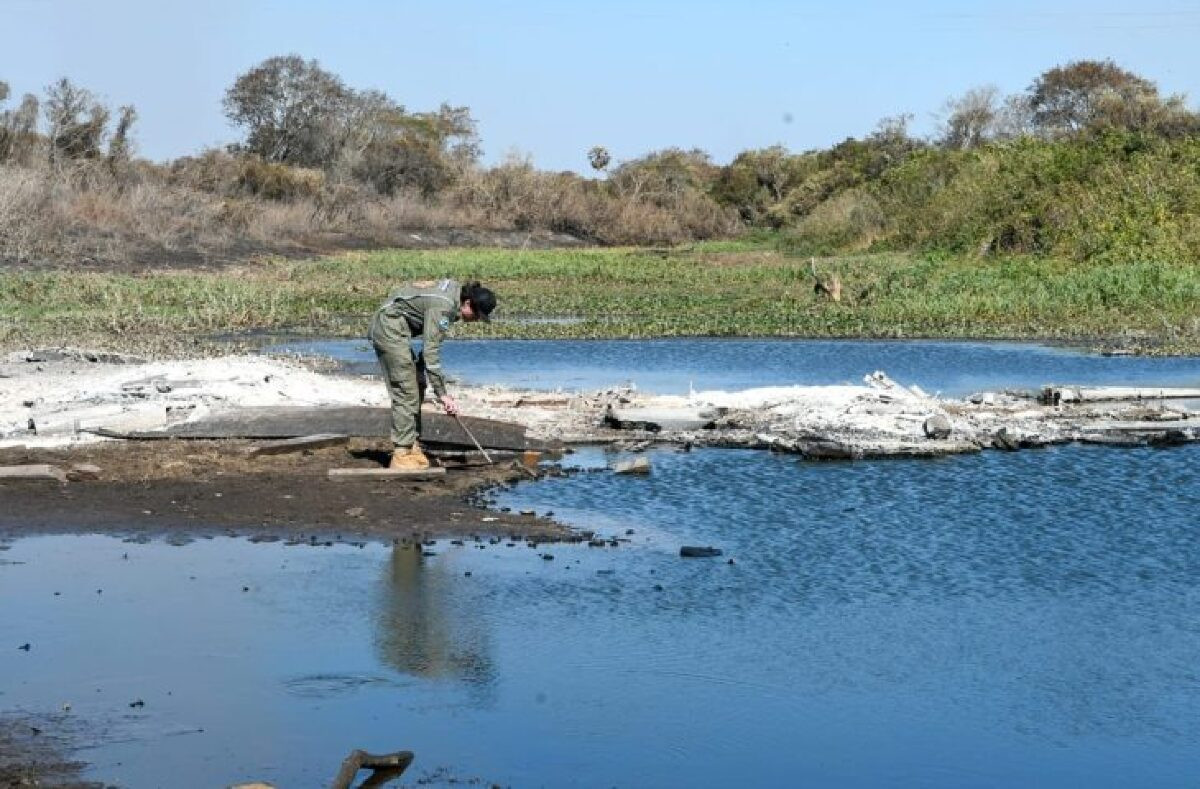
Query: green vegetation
(743, 288)
(1070, 210)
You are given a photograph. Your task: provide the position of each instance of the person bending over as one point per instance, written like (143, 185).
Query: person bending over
(420, 311)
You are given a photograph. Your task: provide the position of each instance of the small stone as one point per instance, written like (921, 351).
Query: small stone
(699, 552)
(355, 512)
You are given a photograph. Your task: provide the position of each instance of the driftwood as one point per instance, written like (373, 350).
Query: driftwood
(385, 767)
(37, 471)
(658, 419)
(350, 474)
(635, 466)
(1053, 395)
(300, 444)
(296, 421)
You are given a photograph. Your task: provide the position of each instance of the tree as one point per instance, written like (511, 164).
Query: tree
(120, 147)
(599, 158)
(1087, 94)
(971, 119)
(665, 177)
(77, 122)
(18, 127)
(423, 151)
(294, 112)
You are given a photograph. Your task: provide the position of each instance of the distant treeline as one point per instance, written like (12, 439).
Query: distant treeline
(1091, 162)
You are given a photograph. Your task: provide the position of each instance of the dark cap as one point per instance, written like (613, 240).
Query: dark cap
(483, 301)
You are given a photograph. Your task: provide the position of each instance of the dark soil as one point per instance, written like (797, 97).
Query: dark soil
(142, 258)
(183, 488)
(33, 753)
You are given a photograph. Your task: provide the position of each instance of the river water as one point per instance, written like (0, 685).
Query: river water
(1001, 619)
(672, 366)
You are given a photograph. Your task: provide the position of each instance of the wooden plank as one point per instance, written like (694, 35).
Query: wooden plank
(1054, 395)
(1179, 425)
(300, 444)
(33, 472)
(351, 474)
(293, 422)
(463, 457)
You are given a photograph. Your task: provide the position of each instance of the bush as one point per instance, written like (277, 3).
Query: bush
(279, 181)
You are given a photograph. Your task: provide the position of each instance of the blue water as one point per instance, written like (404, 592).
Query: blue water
(671, 366)
(993, 620)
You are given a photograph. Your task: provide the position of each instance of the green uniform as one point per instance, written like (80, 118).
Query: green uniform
(413, 311)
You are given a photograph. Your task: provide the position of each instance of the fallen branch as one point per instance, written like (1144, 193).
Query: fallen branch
(385, 767)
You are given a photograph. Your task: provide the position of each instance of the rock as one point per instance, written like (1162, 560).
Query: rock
(937, 426)
(698, 552)
(1002, 440)
(637, 466)
(83, 471)
(355, 512)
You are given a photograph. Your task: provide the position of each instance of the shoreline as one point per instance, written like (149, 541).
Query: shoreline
(51, 407)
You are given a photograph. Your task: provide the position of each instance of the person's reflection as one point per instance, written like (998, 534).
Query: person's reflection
(425, 628)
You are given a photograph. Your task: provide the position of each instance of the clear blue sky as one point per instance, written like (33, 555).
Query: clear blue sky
(552, 79)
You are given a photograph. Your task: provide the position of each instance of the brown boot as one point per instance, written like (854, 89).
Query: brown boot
(409, 459)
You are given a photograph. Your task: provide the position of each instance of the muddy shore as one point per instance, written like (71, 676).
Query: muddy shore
(185, 489)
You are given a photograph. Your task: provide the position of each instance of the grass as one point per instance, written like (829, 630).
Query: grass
(738, 288)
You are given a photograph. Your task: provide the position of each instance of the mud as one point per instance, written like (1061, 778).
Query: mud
(187, 489)
(33, 752)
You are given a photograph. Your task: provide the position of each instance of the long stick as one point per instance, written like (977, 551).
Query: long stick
(472, 437)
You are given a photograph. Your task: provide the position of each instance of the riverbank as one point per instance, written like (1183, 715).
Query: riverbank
(55, 406)
(737, 288)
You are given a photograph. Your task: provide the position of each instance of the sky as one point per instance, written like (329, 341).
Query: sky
(552, 79)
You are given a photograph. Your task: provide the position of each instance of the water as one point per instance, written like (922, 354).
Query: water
(671, 366)
(1001, 619)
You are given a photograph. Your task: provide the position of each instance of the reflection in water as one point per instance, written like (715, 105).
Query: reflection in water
(427, 627)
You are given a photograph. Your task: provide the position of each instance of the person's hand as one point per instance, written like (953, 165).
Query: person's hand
(450, 405)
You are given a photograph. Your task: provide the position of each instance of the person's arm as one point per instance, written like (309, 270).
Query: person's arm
(436, 325)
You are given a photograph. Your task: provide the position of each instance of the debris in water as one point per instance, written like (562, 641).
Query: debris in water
(636, 466)
(699, 552)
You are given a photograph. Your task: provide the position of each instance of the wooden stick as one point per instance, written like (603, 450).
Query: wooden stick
(471, 436)
(385, 767)
(348, 474)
